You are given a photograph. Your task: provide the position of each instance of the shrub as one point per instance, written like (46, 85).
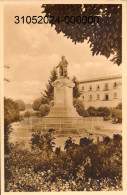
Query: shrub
(117, 137)
(43, 142)
(85, 142)
(107, 139)
(103, 111)
(117, 115)
(57, 151)
(79, 105)
(92, 111)
(70, 143)
(27, 114)
(44, 109)
(37, 103)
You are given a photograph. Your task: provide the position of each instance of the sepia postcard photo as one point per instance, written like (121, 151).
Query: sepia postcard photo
(63, 114)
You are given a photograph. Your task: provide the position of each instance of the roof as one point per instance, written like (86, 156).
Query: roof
(101, 79)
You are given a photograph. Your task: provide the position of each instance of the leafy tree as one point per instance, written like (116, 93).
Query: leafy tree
(103, 111)
(37, 103)
(105, 37)
(21, 105)
(44, 109)
(92, 111)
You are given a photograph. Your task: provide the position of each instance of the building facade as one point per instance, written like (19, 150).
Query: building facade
(104, 91)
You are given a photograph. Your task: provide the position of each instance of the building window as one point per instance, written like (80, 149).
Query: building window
(106, 87)
(98, 96)
(106, 97)
(90, 97)
(98, 87)
(115, 95)
(83, 97)
(83, 88)
(115, 85)
(90, 88)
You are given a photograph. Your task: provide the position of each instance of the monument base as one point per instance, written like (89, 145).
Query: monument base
(63, 99)
(62, 111)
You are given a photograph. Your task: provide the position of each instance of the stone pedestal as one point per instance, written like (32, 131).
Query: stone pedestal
(63, 99)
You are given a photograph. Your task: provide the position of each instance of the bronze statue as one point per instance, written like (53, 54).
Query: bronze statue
(63, 67)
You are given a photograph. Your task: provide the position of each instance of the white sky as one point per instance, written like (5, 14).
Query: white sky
(32, 50)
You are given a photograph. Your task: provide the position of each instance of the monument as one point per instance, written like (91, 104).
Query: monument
(63, 94)
(62, 116)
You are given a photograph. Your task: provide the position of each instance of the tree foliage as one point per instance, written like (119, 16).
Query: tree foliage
(79, 105)
(85, 141)
(11, 114)
(48, 93)
(37, 103)
(92, 111)
(103, 111)
(11, 111)
(104, 38)
(76, 91)
(117, 138)
(43, 142)
(107, 139)
(27, 114)
(21, 105)
(44, 109)
(69, 144)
